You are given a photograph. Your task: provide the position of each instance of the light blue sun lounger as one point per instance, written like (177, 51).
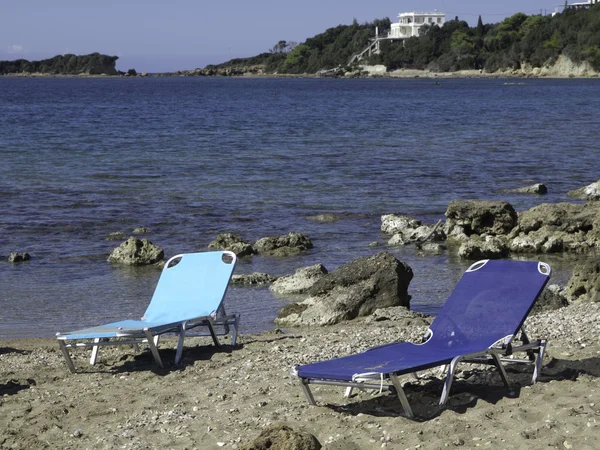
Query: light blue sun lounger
(189, 294)
(477, 324)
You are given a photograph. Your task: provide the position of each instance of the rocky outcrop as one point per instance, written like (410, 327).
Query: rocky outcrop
(16, 257)
(551, 299)
(406, 230)
(300, 282)
(233, 243)
(282, 437)
(537, 189)
(136, 252)
(466, 218)
(552, 228)
(487, 247)
(353, 290)
(589, 192)
(288, 245)
(585, 282)
(253, 279)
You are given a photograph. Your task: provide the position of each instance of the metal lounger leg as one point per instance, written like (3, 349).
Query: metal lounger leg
(501, 369)
(449, 379)
(152, 344)
(537, 368)
(307, 392)
(94, 354)
(179, 352)
(236, 324)
(212, 333)
(402, 396)
(67, 356)
(348, 392)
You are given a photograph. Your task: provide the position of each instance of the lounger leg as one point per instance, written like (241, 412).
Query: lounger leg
(537, 369)
(213, 334)
(236, 324)
(152, 345)
(65, 352)
(179, 352)
(402, 396)
(449, 379)
(307, 392)
(94, 354)
(501, 369)
(348, 392)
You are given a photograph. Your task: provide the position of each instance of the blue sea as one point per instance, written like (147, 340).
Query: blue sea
(190, 158)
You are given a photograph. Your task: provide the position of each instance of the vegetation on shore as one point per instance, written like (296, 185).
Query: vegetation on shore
(93, 64)
(520, 39)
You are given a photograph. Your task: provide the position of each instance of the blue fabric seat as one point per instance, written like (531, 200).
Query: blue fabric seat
(189, 294)
(477, 323)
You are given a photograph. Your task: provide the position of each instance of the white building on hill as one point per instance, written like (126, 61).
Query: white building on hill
(576, 5)
(410, 23)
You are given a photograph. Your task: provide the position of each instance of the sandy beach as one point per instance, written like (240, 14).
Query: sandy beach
(223, 397)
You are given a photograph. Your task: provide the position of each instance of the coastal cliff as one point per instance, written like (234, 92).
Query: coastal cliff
(92, 64)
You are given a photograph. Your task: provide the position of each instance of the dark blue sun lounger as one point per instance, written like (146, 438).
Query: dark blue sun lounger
(477, 324)
(189, 294)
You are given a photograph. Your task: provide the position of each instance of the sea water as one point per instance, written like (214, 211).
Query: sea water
(190, 158)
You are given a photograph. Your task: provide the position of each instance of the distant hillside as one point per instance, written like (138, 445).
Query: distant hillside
(517, 41)
(93, 64)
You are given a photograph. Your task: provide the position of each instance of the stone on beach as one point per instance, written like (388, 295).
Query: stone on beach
(480, 217)
(282, 437)
(233, 243)
(353, 290)
(585, 282)
(253, 279)
(300, 281)
(537, 189)
(287, 245)
(16, 257)
(589, 192)
(136, 252)
(488, 247)
(406, 229)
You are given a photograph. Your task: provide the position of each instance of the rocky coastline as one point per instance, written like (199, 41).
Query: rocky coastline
(244, 397)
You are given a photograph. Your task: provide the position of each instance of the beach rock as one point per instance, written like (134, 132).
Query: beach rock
(551, 299)
(537, 189)
(585, 282)
(324, 218)
(136, 252)
(141, 230)
(233, 243)
(553, 228)
(489, 247)
(115, 236)
(282, 437)
(300, 282)
(405, 229)
(478, 217)
(253, 279)
(287, 245)
(589, 192)
(353, 290)
(16, 257)
(399, 314)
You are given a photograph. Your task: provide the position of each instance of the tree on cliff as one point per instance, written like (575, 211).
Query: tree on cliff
(94, 63)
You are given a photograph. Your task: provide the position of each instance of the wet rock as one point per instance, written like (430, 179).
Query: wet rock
(16, 257)
(287, 245)
(282, 437)
(300, 282)
(405, 229)
(589, 192)
(233, 243)
(324, 218)
(551, 299)
(141, 230)
(136, 252)
(537, 189)
(353, 290)
(115, 236)
(479, 217)
(489, 247)
(585, 282)
(253, 279)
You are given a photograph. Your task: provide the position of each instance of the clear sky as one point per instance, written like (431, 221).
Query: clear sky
(169, 35)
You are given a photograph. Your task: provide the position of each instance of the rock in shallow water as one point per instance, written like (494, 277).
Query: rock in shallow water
(136, 252)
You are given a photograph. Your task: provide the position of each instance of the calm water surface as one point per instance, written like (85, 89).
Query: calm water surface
(193, 157)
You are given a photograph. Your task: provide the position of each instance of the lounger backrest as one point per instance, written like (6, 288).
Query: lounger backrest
(194, 287)
(490, 302)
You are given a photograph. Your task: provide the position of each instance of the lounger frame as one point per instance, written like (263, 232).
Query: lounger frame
(497, 355)
(218, 324)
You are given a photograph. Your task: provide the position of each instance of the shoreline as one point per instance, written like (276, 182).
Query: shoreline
(224, 397)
